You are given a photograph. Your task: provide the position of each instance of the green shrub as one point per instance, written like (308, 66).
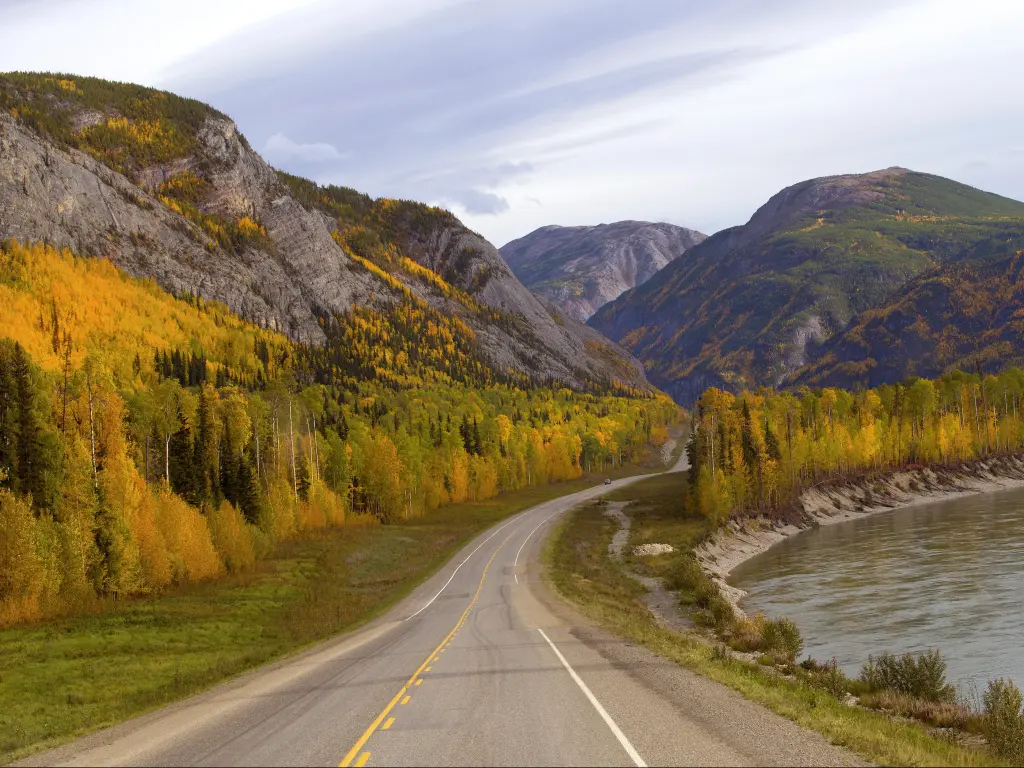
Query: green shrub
(719, 613)
(686, 575)
(829, 677)
(922, 676)
(1004, 721)
(782, 638)
(748, 633)
(694, 586)
(705, 594)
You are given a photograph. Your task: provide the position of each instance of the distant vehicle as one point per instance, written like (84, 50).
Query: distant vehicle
(607, 481)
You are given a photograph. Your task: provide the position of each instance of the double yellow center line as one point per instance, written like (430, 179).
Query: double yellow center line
(402, 695)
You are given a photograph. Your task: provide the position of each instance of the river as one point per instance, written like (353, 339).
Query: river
(946, 575)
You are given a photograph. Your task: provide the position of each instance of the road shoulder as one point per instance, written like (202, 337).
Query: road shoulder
(721, 726)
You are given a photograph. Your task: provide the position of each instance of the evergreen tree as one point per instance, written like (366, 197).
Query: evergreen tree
(8, 417)
(230, 464)
(29, 477)
(771, 444)
(475, 435)
(183, 474)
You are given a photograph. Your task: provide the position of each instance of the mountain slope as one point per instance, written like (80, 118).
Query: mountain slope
(167, 187)
(746, 307)
(965, 314)
(580, 269)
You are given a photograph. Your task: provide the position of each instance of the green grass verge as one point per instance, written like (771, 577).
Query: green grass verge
(63, 678)
(577, 564)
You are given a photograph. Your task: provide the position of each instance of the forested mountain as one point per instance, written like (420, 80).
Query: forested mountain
(200, 357)
(168, 188)
(148, 440)
(580, 269)
(748, 307)
(967, 314)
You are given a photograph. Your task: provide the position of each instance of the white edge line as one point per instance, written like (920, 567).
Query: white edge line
(580, 499)
(516, 563)
(630, 750)
(457, 570)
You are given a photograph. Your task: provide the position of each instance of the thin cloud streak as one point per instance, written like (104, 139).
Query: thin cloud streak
(281, 148)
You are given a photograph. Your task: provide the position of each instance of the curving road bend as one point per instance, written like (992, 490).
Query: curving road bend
(479, 666)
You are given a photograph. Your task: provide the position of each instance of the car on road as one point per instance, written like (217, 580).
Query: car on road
(607, 481)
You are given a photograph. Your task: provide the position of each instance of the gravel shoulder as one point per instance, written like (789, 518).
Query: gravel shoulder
(722, 727)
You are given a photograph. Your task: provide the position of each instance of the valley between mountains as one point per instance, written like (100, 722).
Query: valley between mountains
(294, 475)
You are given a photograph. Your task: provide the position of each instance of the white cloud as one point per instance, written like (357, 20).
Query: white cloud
(124, 39)
(926, 87)
(433, 98)
(282, 149)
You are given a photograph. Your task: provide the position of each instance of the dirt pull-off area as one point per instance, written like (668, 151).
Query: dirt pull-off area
(827, 504)
(662, 603)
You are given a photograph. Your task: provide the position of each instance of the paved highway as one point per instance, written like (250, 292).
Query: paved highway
(480, 666)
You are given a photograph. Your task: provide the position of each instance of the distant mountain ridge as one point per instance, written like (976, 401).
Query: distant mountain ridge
(167, 187)
(967, 314)
(580, 269)
(752, 304)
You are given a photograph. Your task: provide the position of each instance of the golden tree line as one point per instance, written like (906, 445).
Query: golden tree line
(757, 450)
(147, 441)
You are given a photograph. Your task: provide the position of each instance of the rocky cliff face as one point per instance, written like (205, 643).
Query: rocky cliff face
(60, 184)
(580, 269)
(753, 303)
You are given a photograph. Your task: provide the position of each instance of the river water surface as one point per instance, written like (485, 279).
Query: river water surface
(946, 575)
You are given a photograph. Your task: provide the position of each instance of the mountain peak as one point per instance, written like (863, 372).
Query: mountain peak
(581, 268)
(751, 304)
(167, 187)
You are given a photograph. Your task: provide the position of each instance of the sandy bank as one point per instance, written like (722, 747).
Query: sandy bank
(827, 504)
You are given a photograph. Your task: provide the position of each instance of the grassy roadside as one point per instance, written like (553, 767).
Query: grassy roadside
(577, 563)
(63, 678)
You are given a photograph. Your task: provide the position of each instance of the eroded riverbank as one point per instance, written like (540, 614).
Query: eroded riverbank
(828, 504)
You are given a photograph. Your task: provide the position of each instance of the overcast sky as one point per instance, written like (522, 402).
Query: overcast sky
(520, 113)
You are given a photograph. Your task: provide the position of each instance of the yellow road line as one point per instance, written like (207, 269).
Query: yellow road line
(406, 700)
(388, 724)
(427, 669)
(419, 681)
(422, 668)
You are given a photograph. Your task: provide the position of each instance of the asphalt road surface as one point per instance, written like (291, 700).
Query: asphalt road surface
(479, 666)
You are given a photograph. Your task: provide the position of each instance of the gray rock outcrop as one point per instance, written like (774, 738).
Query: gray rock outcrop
(50, 192)
(580, 269)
